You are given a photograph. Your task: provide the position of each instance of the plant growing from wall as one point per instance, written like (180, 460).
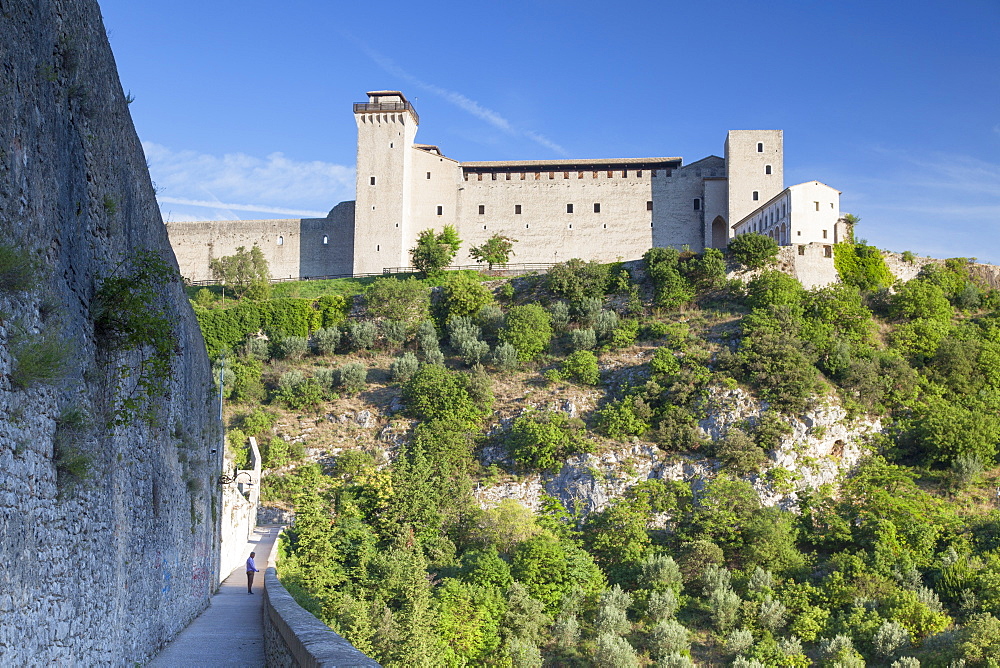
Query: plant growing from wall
(18, 270)
(132, 318)
(40, 358)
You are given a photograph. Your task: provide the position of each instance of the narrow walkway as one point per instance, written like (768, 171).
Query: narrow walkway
(230, 631)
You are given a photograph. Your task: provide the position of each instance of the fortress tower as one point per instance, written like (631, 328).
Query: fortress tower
(755, 170)
(387, 126)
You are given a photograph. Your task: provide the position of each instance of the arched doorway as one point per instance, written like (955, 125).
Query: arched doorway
(720, 233)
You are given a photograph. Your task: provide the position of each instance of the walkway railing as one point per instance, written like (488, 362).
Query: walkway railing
(498, 270)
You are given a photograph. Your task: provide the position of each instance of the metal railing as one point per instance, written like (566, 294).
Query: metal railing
(498, 270)
(386, 106)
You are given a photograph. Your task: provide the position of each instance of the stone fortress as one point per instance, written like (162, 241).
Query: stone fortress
(595, 209)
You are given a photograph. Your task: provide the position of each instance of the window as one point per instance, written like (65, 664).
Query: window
(522, 175)
(326, 240)
(798, 233)
(767, 169)
(624, 173)
(697, 204)
(649, 205)
(638, 174)
(565, 175)
(281, 241)
(824, 234)
(517, 209)
(440, 210)
(609, 173)
(817, 205)
(378, 247)
(569, 208)
(760, 147)
(372, 180)
(508, 176)
(579, 175)
(484, 227)
(605, 226)
(571, 226)
(756, 195)
(482, 209)
(428, 175)
(595, 175)
(493, 176)
(827, 251)
(479, 177)
(802, 250)
(597, 207)
(526, 226)
(390, 144)
(552, 175)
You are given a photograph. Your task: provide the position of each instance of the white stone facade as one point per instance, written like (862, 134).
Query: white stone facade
(801, 214)
(594, 209)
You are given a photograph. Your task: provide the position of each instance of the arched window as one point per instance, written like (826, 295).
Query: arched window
(326, 240)
(281, 241)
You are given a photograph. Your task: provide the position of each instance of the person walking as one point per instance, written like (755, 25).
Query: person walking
(251, 569)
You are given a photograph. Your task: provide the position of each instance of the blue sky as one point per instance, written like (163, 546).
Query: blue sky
(244, 108)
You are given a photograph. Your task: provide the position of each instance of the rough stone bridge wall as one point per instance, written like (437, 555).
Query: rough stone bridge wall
(103, 572)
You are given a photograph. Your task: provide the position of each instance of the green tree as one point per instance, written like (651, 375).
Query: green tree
(528, 329)
(575, 279)
(463, 295)
(406, 301)
(495, 250)
(753, 251)
(244, 271)
(434, 250)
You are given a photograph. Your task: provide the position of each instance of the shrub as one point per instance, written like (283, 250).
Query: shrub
(325, 341)
(361, 334)
(706, 271)
(204, 298)
(614, 652)
(490, 318)
(587, 310)
(18, 270)
(257, 348)
(403, 368)
(298, 392)
(406, 301)
(739, 640)
(353, 377)
(559, 314)
(248, 384)
(575, 279)
(41, 358)
(921, 299)
(290, 348)
(862, 266)
(582, 366)
(582, 339)
(669, 637)
(435, 393)
(463, 295)
(394, 331)
(753, 251)
(624, 335)
(672, 289)
(332, 310)
(542, 441)
(618, 420)
(528, 329)
(723, 605)
(662, 605)
(740, 453)
(605, 323)
(505, 357)
(774, 288)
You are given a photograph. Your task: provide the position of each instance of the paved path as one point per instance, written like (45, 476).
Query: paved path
(229, 632)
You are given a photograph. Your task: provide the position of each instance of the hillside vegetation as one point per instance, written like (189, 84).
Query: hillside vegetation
(393, 415)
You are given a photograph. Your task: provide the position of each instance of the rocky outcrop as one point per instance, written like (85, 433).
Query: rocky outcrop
(109, 524)
(823, 443)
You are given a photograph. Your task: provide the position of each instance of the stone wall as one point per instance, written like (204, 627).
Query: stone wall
(110, 533)
(240, 502)
(293, 637)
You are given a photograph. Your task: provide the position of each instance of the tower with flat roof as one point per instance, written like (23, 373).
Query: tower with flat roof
(387, 126)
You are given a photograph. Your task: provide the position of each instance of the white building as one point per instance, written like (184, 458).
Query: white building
(801, 214)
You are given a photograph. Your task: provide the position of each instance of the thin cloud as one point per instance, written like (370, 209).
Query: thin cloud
(241, 207)
(241, 182)
(459, 100)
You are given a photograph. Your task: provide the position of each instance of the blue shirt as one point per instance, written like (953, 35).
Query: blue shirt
(251, 566)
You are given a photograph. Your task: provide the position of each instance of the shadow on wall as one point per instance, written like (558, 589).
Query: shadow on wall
(326, 245)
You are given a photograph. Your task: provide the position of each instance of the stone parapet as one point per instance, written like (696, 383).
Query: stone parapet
(294, 637)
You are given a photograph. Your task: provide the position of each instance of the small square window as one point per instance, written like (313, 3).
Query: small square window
(493, 176)
(597, 207)
(484, 227)
(517, 209)
(756, 195)
(624, 173)
(565, 175)
(523, 175)
(371, 180)
(638, 174)
(798, 233)
(571, 226)
(569, 208)
(552, 175)
(479, 177)
(482, 209)
(428, 175)
(609, 173)
(508, 176)
(649, 205)
(440, 210)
